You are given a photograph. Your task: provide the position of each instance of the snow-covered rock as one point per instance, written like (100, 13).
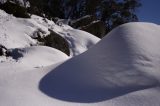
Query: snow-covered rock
(3, 50)
(23, 3)
(96, 28)
(18, 33)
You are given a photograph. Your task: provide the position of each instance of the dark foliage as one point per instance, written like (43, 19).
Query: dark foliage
(47, 8)
(115, 13)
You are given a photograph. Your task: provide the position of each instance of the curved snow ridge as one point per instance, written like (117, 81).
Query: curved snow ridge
(125, 61)
(38, 56)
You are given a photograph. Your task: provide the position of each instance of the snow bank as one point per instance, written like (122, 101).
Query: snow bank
(124, 62)
(38, 56)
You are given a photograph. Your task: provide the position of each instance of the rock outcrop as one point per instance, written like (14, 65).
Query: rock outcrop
(90, 24)
(96, 28)
(4, 51)
(53, 40)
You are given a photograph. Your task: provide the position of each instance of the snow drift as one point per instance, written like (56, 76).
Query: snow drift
(38, 56)
(125, 61)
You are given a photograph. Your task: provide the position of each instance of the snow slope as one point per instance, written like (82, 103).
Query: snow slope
(18, 33)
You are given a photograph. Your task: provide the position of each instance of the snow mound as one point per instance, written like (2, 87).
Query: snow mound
(38, 56)
(124, 62)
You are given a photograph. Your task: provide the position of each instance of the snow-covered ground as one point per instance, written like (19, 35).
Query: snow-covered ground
(121, 70)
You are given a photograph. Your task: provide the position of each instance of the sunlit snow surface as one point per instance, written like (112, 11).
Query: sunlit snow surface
(121, 70)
